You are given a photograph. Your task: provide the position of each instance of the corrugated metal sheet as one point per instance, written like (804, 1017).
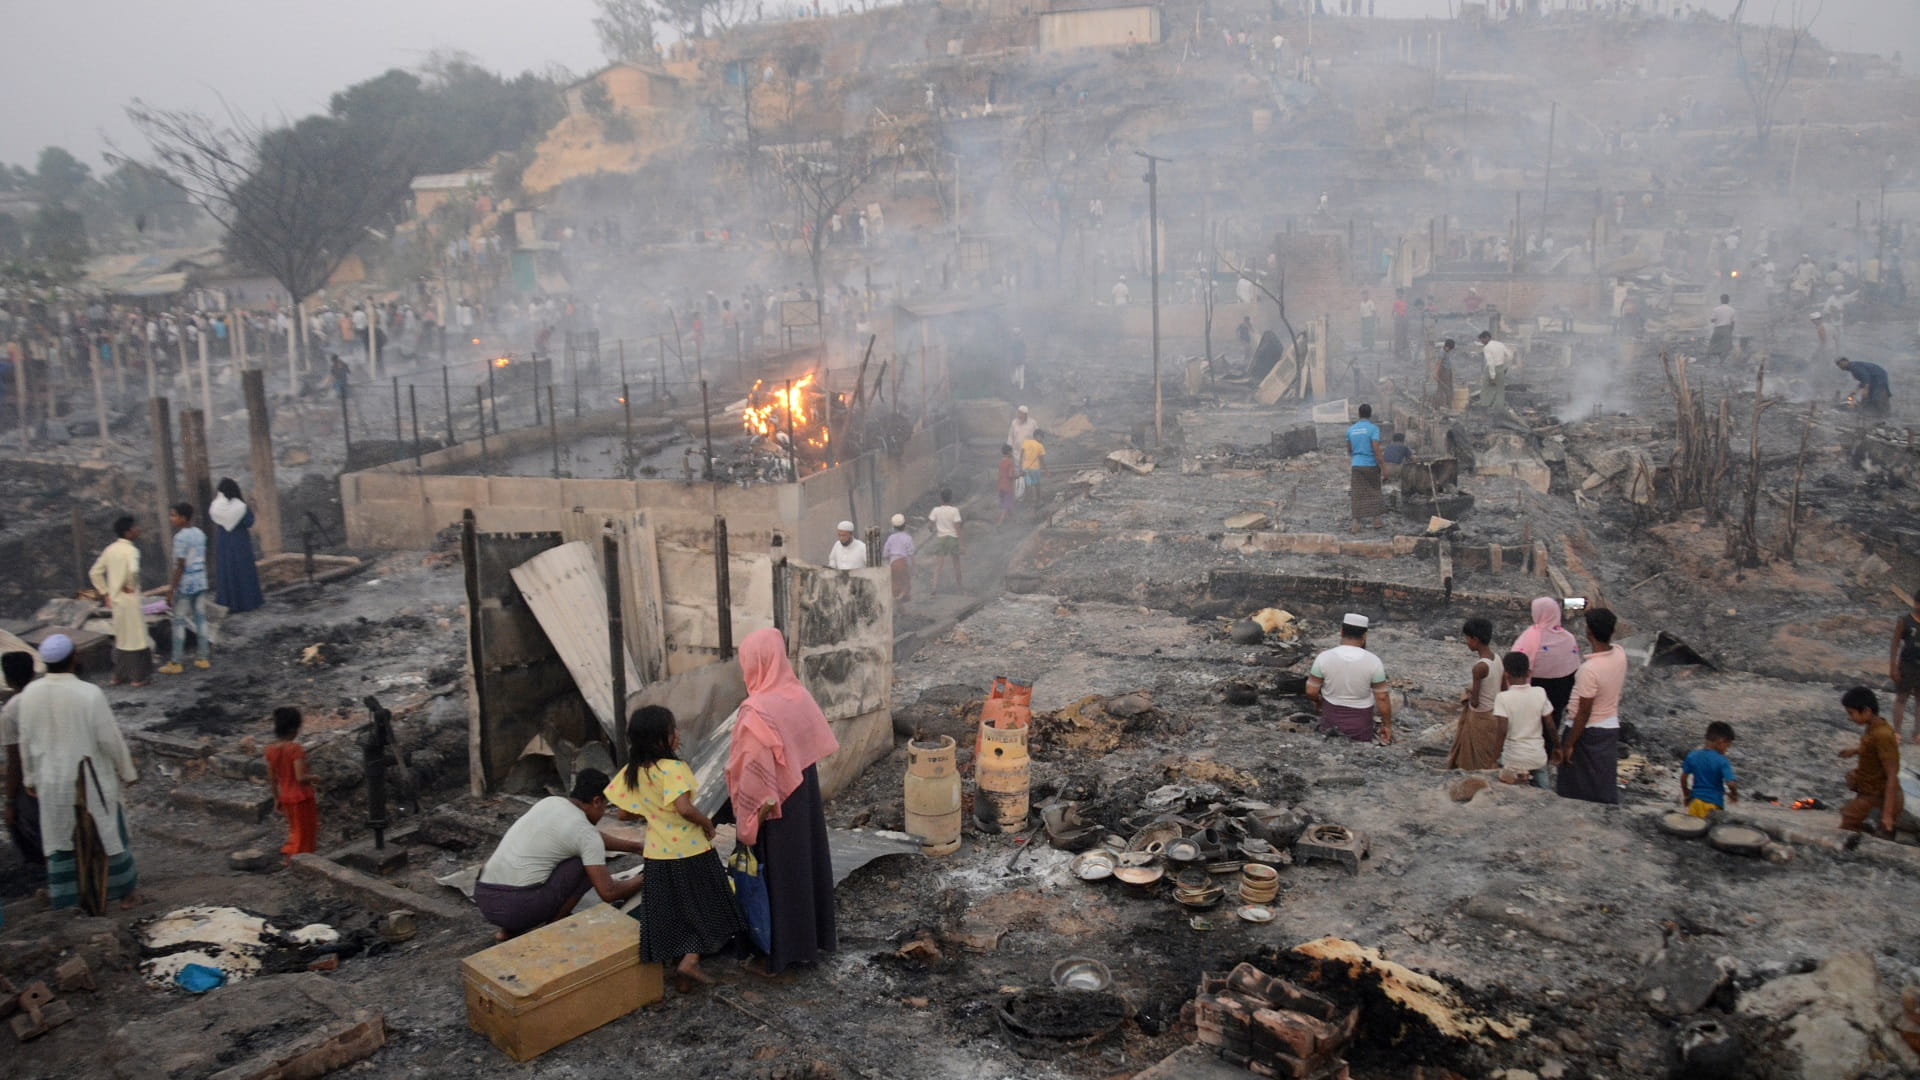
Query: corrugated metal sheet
(569, 596)
(640, 598)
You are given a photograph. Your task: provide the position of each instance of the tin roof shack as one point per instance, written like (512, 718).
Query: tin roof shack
(542, 654)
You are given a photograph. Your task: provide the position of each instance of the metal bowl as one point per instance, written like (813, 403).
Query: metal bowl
(1081, 973)
(1200, 899)
(1092, 865)
(1183, 851)
(1140, 876)
(1259, 872)
(1256, 913)
(1137, 858)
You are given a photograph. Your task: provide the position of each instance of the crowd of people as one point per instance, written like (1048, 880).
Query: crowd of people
(1547, 713)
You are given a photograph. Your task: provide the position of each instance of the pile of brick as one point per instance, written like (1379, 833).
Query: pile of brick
(1272, 1027)
(34, 1011)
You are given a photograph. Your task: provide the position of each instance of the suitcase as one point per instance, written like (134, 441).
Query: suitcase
(535, 992)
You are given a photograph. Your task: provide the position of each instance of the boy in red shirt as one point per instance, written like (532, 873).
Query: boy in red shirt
(292, 784)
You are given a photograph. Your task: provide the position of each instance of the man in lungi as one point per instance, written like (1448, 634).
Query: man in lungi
(1349, 683)
(68, 736)
(1589, 754)
(550, 858)
(1363, 485)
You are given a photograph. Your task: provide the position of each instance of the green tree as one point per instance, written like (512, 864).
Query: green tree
(60, 176)
(13, 239)
(58, 236)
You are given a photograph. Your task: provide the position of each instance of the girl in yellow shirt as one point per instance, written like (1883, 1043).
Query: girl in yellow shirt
(686, 906)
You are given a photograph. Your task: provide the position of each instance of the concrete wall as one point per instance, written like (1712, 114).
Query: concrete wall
(1099, 28)
(394, 507)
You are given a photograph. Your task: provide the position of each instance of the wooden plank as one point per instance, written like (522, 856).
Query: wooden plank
(569, 597)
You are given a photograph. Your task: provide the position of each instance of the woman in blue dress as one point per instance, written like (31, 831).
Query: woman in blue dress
(236, 581)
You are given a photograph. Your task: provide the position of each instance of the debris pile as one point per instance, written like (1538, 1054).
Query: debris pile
(1271, 1026)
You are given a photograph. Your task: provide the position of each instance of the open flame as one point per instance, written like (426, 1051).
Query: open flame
(784, 408)
(502, 361)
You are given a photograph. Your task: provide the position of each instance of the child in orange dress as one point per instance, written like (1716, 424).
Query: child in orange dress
(292, 784)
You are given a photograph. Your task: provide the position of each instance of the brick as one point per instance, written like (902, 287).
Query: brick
(73, 974)
(329, 962)
(318, 1053)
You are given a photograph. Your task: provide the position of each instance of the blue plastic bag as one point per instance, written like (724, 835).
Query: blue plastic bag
(750, 892)
(198, 978)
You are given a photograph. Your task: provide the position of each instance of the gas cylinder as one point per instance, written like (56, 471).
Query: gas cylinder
(1002, 774)
(933, 795)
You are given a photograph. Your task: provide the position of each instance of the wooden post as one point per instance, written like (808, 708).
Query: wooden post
(81, 563)
(266, 490)
(206, 376)
(722, 587)
(160, 422)
(446, 395)
(373, 331)
(153, 374)
(626, 404)
(793, 451)
(553, 431)
(20, 388)
(706, 423)
(397, 436)
(493, 402)
(480, 414)
(99, 399)
(197, 472)
(413, 409)
(616, 645)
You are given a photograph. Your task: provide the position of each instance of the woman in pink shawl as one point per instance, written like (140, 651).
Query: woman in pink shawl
(1553, 653)
(778, 739)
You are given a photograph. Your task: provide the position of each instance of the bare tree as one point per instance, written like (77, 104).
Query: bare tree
(820, 178)
(294, 201)
(625, 28)
(1766, 73)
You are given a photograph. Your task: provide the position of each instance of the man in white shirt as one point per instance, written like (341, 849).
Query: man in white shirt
(549, 858)
(1720, 327)
(1022, 428)
(1499, 357)
(1349, 683)
(946, 539)
(847, 553)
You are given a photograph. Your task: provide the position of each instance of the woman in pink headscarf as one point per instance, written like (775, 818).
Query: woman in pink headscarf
(1552, 652)
(778, 739)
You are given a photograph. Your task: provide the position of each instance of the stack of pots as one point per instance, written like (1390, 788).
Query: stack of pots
(1001, 767)
(1259, 884)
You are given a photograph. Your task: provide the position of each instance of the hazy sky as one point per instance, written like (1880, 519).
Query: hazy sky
(76, 63)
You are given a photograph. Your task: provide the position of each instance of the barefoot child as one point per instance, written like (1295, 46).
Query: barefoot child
(1477, 738)
(1529, 716)
(686, 906)
(1706, 776)
(1875, 782)
(292, 784)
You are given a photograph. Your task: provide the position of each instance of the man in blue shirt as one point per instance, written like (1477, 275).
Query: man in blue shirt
(1706, 776)
(187, 590)
(1876, 392)
(1363, 489)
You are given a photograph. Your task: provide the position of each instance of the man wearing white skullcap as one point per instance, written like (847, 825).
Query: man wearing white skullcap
(899, 551)
(1349, 683)
(65, 725)
(847, 553)
(1022, 428)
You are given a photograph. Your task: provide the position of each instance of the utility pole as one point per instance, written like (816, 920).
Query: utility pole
(1546, 188)
(1153, 268)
